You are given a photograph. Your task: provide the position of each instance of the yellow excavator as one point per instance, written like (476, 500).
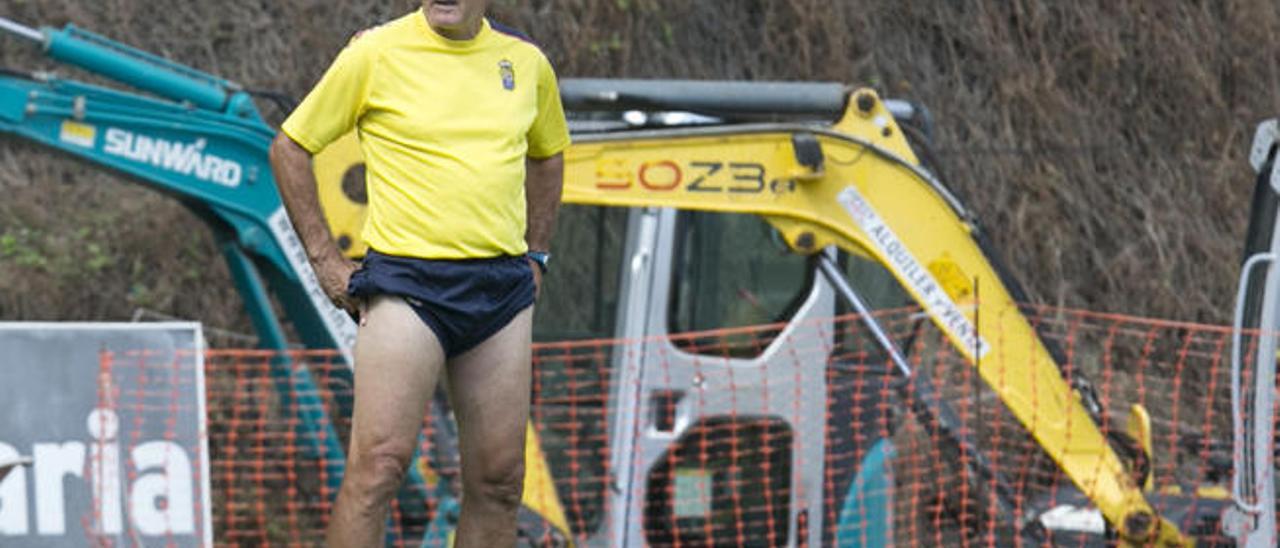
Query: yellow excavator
(837, 175)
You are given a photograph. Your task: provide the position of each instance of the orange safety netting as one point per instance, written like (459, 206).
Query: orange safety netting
(737, 477)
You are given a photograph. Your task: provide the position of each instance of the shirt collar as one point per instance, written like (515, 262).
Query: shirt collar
(436, 38)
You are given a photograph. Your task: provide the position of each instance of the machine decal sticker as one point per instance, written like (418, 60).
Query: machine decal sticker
(953, 279)
(694, 176)
(937, 302)
(182, 158)
(76, 133)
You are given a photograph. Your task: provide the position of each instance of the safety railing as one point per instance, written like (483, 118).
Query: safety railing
(731, 480)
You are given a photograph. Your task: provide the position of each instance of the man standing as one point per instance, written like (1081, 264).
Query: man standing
(462, 132)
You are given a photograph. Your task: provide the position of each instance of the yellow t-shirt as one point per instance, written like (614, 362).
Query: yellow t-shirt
(445, 127)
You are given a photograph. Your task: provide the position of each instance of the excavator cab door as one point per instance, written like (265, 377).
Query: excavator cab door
(722, 405)
(719, 428)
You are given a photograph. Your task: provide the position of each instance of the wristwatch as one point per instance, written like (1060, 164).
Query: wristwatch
(540, 257)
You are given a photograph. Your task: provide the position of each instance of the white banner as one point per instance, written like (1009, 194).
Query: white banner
(113, 418)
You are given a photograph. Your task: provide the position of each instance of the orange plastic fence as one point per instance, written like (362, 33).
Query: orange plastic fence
(271, 489)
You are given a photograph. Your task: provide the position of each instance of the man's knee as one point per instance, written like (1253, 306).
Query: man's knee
(381, 468)
(499, 483)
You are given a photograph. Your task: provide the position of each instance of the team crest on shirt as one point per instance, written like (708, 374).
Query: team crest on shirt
(508, 73)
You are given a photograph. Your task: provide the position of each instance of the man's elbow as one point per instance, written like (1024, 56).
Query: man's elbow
(284, 149)
(551, 165)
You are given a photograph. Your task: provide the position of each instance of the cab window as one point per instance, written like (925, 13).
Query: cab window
(732, 270)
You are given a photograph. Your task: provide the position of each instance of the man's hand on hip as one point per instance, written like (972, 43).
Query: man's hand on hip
(334, 276)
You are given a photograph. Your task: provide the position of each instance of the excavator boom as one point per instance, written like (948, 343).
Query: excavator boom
(858, 186)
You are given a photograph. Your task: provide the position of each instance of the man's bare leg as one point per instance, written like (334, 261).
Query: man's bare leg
(489, 391)
(398, 360)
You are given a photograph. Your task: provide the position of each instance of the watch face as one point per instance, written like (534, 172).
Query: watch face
(542, 258)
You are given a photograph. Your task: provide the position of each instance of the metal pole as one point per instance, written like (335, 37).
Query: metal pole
(765, 99)
(1263, 420)
(21, 30)
(864, 312)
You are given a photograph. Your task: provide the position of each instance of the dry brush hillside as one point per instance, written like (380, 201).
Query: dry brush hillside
(1102, 142)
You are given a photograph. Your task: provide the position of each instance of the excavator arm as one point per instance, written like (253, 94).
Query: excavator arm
(200, 140)
(858, 186)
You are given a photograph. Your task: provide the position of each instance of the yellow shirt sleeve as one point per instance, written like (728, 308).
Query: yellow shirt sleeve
(334, 106)
(549, 134)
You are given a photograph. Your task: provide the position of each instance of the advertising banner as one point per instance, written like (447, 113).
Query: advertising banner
(112, 419)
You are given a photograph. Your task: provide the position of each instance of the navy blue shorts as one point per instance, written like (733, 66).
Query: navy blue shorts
(464, 301)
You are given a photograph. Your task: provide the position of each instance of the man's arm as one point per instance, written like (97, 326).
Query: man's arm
(291, 165)
(544, 180)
